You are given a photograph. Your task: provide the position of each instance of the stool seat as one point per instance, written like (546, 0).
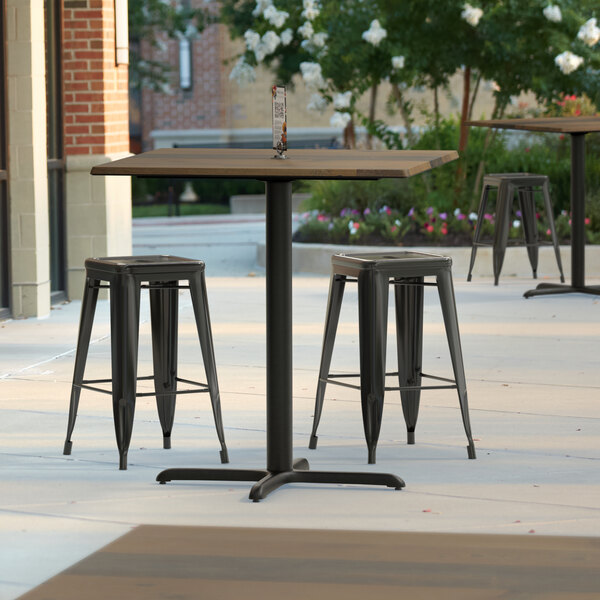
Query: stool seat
(144, 266)
(390, 262)
(375, 272)
(125, 275)
(495, 179)
(524, 184)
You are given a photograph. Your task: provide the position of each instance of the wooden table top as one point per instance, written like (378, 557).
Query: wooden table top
(155, 562)
(243, 163)
(549, 124)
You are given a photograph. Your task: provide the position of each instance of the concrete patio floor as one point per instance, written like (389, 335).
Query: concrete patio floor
(533, 372)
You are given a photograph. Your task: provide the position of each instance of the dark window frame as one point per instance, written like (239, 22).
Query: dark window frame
(5, 295)
(54, 23)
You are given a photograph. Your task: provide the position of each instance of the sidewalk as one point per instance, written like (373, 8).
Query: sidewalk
(533, 372)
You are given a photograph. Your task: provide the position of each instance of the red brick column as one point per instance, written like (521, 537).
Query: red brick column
(96, 95)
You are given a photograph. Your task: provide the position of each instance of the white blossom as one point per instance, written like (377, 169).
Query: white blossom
(342, 100)
(311, 9)
(473, 216)
(271, 40)
(242, 72)
(375, 33)
(286, 37)
(306, 30)
(471, 14)
(589, 32)
(252, 39)
(276, 17)
(268, 43)
(316, 103)
(261, 6)
(552, 13)
(516, 224)
(319, 39)
(312, 74)
(398, 62)
(340, 119)
(568, 62)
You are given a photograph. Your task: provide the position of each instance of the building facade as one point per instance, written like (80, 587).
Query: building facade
(63, 109)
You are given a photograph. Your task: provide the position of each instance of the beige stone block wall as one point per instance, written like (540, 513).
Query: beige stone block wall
(250, 106)
(28, 184)
(98, 216)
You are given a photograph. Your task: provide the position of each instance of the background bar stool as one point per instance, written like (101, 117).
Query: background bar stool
(125, 275)
(524, 184)
(375, 272)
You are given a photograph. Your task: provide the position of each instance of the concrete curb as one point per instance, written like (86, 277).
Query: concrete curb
(316, 258)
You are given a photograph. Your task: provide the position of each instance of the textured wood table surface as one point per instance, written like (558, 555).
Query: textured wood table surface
(548, 124)
(244, 163)
(162, 562)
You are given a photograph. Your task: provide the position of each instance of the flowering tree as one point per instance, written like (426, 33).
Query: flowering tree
(343, 49)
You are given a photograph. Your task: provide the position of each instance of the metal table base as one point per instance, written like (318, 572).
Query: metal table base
(577, 231)
(281, 468)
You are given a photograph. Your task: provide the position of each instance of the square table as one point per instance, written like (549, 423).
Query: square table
(576, 127)
(228, 163)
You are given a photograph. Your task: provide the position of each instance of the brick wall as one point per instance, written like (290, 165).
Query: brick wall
(204, 105)
(96, 94)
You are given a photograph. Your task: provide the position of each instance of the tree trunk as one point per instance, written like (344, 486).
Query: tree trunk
(405, 114)
(372, 107)
(473, 97)
(464, 115)
(489, 138)
(461, 172)
(349, 136)
(436, 115)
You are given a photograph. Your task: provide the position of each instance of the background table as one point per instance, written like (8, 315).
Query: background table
(278, 174)
(576, 127)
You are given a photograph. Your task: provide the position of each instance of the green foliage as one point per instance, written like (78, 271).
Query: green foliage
(334, 204)
(184, 209)
(212, 191)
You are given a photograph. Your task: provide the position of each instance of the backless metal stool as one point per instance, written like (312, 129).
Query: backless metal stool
(125, 275)
(374, 273)
(507, 184)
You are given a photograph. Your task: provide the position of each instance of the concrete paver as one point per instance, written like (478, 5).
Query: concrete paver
(533, 377)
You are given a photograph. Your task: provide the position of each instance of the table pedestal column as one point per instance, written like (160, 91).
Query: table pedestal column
(281, 468)
(577, 228)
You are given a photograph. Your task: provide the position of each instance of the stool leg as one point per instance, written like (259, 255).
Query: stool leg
(527, 205)
(550, 215)
(164, 305)
(477, 233)
(503, 210)
(448, 303)
(409, 339)
(86, 320)
(373, 292)
(334, 304)
(199, 300)
(124, 325)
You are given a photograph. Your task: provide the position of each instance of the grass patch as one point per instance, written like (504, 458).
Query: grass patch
(162, 210)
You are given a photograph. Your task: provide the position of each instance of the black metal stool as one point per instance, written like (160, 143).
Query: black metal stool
(125, 275)
(507, 184)
(375, 272)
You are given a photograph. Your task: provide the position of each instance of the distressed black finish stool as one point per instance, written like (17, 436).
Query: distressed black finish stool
(125, 275)
(375, 272)
(523, 184)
